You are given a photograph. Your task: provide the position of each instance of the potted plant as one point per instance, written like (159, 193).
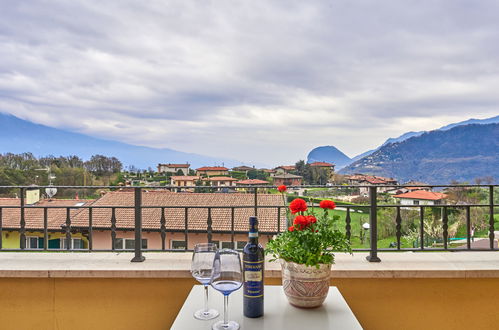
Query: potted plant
(306, 252)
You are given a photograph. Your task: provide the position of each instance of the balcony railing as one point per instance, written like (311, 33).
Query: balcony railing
(68, 228)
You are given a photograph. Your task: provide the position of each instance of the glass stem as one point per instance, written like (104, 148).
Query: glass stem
(226, 305)
(206, 299)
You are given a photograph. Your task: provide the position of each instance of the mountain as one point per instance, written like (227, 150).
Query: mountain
(493, 120)
(17, 136)
(462, 153)
(328, 154)
(408, 135)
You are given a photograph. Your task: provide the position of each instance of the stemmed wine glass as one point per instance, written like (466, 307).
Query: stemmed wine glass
(201, 269)
(227, 276)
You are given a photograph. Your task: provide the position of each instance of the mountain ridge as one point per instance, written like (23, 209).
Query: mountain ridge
(18, 135)
(461, 153)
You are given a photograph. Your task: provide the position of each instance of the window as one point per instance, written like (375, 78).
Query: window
(33, 242)
(415, 202)
(76, 244)
(226, 245)
(179, 245)
(128, 243)
(241, 245)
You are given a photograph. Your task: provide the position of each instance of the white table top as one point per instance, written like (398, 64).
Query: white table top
(278, 313)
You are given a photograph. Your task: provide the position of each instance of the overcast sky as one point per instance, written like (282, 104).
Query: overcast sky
(251, 80)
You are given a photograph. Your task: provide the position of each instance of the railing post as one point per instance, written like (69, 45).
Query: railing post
(138, 226)
(22, 224)
(373, 226)
(491, 217)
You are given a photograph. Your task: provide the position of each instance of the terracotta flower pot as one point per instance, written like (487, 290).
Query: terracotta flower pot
(305, 286)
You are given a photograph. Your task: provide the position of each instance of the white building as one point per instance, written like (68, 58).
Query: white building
(421, 197)
(173, 168)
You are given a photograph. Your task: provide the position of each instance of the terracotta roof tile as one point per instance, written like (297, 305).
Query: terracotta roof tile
(321, 164)
(212, 168)
(56, 217)
(175, 217)
(176, 165)
(422, 194)
(252, 181)
(220, 178)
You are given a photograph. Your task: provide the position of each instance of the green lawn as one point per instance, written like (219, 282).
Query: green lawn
(357, 219)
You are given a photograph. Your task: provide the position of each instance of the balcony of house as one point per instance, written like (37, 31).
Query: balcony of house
(417, 280)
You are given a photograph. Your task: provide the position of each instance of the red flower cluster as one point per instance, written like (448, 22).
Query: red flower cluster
(302, 221)
(327, 204)
(282, 188)
(298, 205)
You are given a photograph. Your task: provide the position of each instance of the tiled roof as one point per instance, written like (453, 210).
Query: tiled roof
(423, 194)
(287, 176)
(242, 168)
(175, 217)
(287, 167)
(212, 168)
(321, 164)
(252, 181)
(176, 165)
(372, 179)
(220, 178)
(185, 178)
(56, 217)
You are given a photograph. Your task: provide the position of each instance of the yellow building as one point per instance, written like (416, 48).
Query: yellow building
(56, 211)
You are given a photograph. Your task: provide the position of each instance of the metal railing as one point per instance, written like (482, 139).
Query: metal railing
(67, 228)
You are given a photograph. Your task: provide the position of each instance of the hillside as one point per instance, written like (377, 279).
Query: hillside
(408, 135)
(328, 154)
(17, 136)
(462, 153)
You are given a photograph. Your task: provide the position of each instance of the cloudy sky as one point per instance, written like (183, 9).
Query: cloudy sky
(251, 80)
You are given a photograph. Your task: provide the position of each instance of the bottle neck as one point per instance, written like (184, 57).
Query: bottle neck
(253, 236)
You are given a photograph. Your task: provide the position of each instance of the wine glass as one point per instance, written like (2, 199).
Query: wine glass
(227, 276)
(201, 269)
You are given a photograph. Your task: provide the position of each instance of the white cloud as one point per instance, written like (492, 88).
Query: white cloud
(260, 80)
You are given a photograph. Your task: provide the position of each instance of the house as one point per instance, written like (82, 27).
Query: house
(174, 168)
(252, 182)
(287, 179)
(184, 180)
(322, 165)
(242, 185)
(370, 180)
(208, 171)
(243, 169)
(185, 223)
(221, 181)
(34, 224)
(411, 186)
(284, 169)
(421, 197)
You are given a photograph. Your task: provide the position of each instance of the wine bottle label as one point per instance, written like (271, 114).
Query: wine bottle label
(253, 279)
(253, 234)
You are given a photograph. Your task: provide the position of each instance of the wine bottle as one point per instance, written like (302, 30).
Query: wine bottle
(253, 264)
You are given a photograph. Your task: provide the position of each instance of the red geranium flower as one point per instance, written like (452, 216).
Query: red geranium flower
(327, 204)
(291, 228)
(282, 188)
(301, 221)
(311, 219)
(298, 205)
